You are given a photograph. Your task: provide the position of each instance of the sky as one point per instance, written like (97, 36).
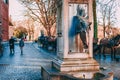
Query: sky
(117, 13)
(16, 11)
(118, 17)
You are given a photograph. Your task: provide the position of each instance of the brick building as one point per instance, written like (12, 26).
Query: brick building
(4, 11)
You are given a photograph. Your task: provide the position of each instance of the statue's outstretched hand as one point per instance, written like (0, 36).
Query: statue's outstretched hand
(88, 28)
(90, 23)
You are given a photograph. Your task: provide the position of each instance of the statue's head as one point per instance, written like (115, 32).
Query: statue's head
(80, 11)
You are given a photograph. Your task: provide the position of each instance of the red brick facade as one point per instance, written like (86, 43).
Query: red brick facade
(4, 12)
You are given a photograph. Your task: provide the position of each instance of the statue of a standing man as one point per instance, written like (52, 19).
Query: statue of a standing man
(80, 25)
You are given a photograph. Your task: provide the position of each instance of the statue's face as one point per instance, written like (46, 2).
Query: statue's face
(80, 11)
(83, 13)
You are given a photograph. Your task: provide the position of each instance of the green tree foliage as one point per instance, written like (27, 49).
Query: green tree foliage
(20, 32)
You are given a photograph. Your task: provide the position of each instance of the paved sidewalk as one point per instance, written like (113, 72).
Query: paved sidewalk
(22, 67)
(50, 53)
(106, 63)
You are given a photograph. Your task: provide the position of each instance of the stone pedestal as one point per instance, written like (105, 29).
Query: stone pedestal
(77, 67)
(80, 65)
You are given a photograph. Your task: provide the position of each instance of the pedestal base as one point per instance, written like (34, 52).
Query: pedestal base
(80, 68)
(69, 71)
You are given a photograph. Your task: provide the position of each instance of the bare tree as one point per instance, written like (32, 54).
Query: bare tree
(43, 11)
(106, 13)
(111, 17)
(30, 28)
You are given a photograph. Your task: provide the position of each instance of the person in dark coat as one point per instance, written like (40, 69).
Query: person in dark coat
(21, 45)
(11, 44)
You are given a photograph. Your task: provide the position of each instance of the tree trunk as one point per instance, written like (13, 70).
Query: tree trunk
(104, 29)
(48, 31)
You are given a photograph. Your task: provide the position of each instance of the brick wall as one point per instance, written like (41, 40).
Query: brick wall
(4, 10)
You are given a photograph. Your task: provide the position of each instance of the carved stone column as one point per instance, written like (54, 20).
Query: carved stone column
(78, 64)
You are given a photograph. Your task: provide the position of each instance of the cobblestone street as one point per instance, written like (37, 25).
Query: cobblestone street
(22, 67)
(28, 65)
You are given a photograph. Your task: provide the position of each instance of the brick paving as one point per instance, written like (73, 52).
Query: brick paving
(28, 65)
(22, 67)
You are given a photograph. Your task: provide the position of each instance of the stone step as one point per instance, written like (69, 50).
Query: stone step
(79, 62)
(82, 74)
(80, 65)
(80, 68)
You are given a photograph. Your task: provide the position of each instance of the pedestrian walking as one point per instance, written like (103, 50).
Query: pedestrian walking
(21, 45)
(11, 44)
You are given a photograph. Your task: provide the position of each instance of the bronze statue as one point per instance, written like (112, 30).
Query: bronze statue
(80, 25)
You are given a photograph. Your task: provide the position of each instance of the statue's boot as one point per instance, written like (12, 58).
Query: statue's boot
(83, 38)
